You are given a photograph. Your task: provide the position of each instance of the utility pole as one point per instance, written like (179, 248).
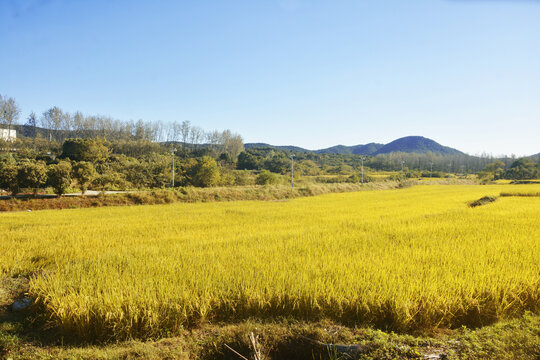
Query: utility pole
(431, 172)
(173, 152)
(292, 171)
(449, 168)
(402, 162)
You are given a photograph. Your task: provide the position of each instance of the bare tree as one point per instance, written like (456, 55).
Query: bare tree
(31, 125)
(9, 112)
(176, 131)
(196, 136)
(158, 130)
(67, 125)
(212, 138)
(233, 144)
(78, 124)
(52, 120)
(185, 131)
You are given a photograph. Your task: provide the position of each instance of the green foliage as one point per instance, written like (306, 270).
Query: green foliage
(109, 181)
(136, 148)
(357, 178)
(307, 167)
(434, 174)
(278, 163)
(226, 178)
(248, 161)
(32, 175)
(84, 172)
(93, 150)
(492, 171)
(523, 169)
(242, 177)
(59, 177)
(265, 177)
(152, 171)
(204, 173)
(8, 178)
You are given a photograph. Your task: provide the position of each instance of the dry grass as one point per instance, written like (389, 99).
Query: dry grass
(187, 194)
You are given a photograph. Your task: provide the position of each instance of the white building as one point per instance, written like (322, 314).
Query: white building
(8, 135)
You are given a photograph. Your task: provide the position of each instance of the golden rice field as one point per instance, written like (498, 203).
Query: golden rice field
(401, 259)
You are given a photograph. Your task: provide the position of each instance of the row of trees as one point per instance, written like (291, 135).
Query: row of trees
(94, 164)
(37, 174)
(116, 174)
(57, 125)
(278, 161)
(521, 169)
(128, 154)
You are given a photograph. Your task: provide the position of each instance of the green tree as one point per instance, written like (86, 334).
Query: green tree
(523, 169)
(59, 177)
(265, 177)
(8, 179)
(492, 171)
(84, 172)
(109, 181)
(32, 175)
(94, 150)
(204, 173)
(307, 167)
(278, 163)
(248, 161)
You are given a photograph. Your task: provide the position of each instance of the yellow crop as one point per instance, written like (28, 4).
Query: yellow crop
(402, 259)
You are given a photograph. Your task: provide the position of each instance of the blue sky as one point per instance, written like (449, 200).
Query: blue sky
(311, 73)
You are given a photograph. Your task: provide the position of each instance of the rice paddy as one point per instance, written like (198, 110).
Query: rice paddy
(401, 259)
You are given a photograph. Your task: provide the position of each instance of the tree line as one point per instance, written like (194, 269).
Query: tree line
(57, 125)
(121, 155)
(58, 148)
(521, 169)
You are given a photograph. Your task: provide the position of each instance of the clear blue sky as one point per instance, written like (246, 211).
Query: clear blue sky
(311, 73)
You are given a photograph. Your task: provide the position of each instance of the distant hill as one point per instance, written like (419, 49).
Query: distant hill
(416, 144)
(278, 147)
(408, 144)
(367, 149)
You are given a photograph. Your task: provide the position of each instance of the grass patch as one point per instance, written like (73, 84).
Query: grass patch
(517, 339)
(187, 195)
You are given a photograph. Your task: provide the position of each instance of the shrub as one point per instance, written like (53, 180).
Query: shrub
(84, 172)
(94, 150)
(59, 177)
(205, 173)
(242, 177)
(32, 175)
(357, 178)
(8, 179)
(265, 177)
(110, 181)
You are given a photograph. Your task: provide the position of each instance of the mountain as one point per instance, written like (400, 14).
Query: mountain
(408, 144)
(416, 144)
(356, 149)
